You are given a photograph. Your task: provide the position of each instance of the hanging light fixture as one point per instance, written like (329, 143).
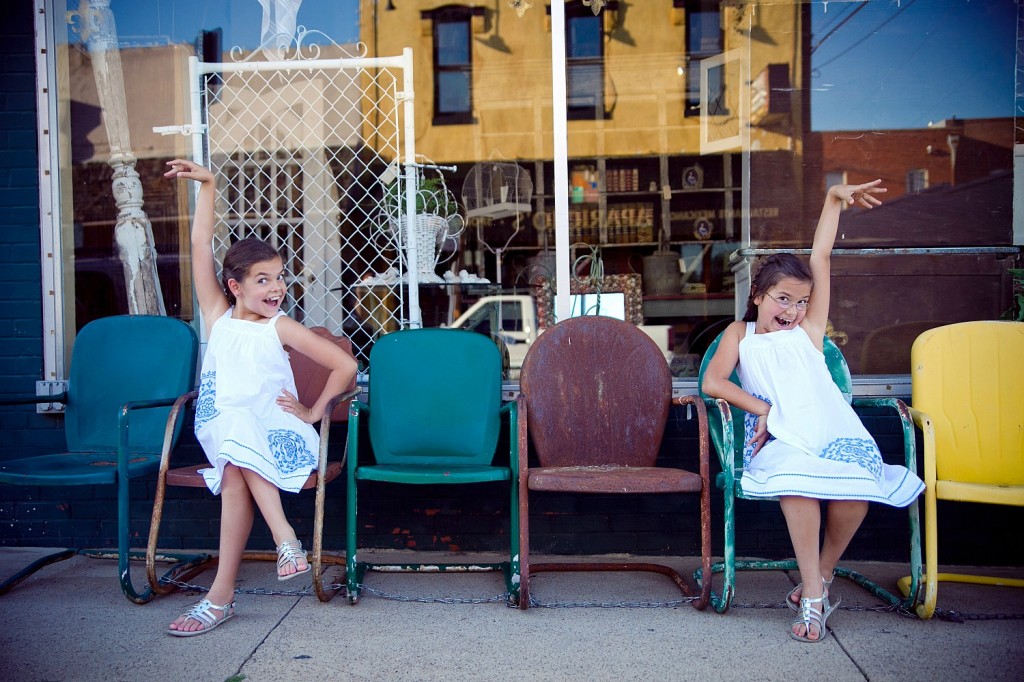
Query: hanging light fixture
(520, 6)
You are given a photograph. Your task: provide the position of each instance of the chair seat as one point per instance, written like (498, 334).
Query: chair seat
(189, 477)
(74, 468)
(426, 474)
(961, 491)
(614, 479)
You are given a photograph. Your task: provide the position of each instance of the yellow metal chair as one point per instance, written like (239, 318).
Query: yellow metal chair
(966, 398)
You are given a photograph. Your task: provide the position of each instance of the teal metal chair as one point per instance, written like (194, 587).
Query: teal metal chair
(433, 418)
(726, 425)
(126, 373)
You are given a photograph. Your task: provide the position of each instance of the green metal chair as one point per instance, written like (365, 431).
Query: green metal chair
(126, 372)
(433, 418)
(726, 424)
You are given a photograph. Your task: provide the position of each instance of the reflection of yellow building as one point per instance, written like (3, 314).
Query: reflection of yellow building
(661, 169)
(644, 78)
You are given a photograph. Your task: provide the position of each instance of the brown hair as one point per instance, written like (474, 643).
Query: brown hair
(241, 256)
(770, 271)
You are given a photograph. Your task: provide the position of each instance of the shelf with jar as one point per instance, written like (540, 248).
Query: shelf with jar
(642, 201)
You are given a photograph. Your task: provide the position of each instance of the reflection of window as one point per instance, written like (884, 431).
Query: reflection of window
(917, 180)
(453, 65)
(511, 317)
(834, 178)
(703, 39)
(265, 199)
(504, 316)
(609, 305)
(584, 64)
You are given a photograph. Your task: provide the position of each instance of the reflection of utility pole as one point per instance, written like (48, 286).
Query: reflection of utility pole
(133, 232)
(953, 140)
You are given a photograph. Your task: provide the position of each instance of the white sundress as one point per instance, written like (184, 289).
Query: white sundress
(237, 418)
(819, 447)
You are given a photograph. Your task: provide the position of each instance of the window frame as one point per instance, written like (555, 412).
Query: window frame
(448, 15)
(693, 58)
(574, 13)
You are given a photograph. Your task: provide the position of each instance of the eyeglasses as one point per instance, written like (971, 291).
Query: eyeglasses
(786, 304)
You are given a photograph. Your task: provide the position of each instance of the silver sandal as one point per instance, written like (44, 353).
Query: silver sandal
(809, 617)
(827, 585)
(290, 551)
(202, 613)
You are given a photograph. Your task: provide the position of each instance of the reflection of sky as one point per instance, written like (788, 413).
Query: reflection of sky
(876, 64)
(905, 63)
(159, 22)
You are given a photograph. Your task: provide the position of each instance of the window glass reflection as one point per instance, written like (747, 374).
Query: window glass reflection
(669, 180)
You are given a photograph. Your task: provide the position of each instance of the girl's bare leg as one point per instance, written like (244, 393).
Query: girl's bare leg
(803, 518)
(844, 518)
(268, 499)
(235, 525)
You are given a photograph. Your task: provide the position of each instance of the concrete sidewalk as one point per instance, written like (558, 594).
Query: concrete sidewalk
(70, 622)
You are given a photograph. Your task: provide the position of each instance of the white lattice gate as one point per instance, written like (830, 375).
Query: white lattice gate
(303, 150)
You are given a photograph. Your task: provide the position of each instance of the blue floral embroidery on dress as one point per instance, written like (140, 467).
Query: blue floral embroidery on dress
(206, 408)
(749, 428)
(289, 450)
(860, 451)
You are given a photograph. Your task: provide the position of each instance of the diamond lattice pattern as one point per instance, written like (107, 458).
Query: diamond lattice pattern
(299, 154)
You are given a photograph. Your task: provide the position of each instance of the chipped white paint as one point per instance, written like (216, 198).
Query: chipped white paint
(133, 233)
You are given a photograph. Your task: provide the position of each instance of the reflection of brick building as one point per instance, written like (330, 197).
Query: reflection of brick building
(951, 152)
(949, 185)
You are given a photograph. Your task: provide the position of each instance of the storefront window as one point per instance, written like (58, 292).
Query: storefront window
(701, 135)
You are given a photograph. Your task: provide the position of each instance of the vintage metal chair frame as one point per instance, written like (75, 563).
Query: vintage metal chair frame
(310, 379)
(966, 398)
(616, 369)
(126, 373)
(728, 436)
(433, 418)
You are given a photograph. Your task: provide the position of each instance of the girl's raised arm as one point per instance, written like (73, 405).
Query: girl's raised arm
(212, 300)
(815, 321)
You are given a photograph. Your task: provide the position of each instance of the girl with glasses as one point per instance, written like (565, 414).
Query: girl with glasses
(804, 442)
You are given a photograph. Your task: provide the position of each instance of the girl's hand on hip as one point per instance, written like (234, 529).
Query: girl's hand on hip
(290, 404)
(760, 435)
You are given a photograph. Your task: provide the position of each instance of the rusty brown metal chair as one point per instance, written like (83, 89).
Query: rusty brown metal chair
(310, 379)
(595, 394)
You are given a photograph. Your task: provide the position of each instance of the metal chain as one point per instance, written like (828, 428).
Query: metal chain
(262, 591)
(504, 597)
(954, 616)
(898, 610)
(950, 615)
(534, 603)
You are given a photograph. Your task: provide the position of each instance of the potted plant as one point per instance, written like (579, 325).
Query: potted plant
(437, 217)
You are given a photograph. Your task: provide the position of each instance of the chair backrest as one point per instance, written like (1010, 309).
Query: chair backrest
(435, 398)
(311, 377)
(127, 358)
(969, 378)
(597, 392)
(837, 367)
